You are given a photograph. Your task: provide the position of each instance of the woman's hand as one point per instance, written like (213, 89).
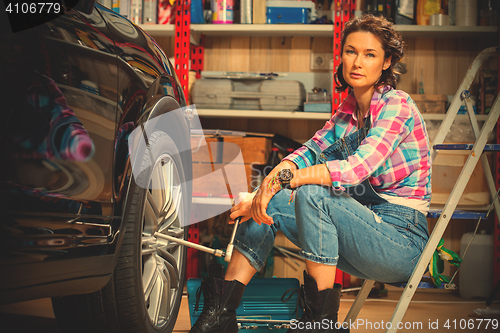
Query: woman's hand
(254, 205)
(259, 204)
(243, 207)
(265, 194)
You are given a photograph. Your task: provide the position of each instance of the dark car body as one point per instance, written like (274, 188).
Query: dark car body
(61, 211)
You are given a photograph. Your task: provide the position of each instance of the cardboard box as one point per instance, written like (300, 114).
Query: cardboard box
(228, 160)
(209, 179)
(445, 171)
(427, 103)
(224, 149)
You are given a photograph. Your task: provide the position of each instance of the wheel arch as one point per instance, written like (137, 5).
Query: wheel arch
(160, 100)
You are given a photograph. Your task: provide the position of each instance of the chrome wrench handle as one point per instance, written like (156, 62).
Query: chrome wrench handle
(230, 247)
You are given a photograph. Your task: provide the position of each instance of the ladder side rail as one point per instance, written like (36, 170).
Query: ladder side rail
(358, 302)
(484, 159)
(445, 126)
(444, 219)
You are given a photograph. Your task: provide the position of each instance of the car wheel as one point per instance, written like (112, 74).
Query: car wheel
(145, 290)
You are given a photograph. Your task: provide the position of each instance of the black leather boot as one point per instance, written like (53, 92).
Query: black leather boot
(221, 299)
(321, 308)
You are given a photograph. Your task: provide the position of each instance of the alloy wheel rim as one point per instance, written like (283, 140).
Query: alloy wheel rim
(161, 259)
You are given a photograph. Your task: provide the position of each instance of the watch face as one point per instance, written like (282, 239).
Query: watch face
(286, 175)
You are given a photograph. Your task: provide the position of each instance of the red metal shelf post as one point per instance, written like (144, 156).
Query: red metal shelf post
(344, 10)
(182, 42)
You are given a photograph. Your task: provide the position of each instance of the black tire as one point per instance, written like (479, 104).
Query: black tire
(121, 306)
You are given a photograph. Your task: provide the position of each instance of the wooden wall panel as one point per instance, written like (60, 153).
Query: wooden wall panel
(447, 77)
(298, 130)
(280, 54)
(239, 54)
(424, 65)
(300, 54)
(302, 131)
(322, 44)
(167, 44)
(444, 61)
(220, 54)
(207, 53)
(406, 82)
(260, 54)
(467, 52)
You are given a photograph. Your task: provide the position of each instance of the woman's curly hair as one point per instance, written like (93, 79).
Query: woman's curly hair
(392, 44)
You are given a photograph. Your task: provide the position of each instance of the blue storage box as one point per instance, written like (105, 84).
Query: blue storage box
(318, 107)
(261, 301)
(290, 12)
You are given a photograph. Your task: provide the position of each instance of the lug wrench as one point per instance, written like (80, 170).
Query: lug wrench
(216, 252)
(230, 247)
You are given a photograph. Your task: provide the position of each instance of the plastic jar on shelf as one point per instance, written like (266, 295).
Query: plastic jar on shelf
(466, 13)
(222, 11)
(426, 8)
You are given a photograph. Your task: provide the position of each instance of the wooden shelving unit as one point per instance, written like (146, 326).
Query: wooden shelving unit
(439, 55)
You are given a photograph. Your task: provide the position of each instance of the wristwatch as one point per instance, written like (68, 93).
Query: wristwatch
(284, 177)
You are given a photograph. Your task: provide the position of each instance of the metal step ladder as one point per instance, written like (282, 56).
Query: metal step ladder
(449, 211)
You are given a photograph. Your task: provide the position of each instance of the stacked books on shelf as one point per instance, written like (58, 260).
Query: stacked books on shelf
(143, 11)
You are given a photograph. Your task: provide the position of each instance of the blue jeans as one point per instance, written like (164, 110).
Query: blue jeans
(381, 242)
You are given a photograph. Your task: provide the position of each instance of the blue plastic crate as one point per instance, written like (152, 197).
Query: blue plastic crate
(289, 15)
(261, 300)
(318, 107)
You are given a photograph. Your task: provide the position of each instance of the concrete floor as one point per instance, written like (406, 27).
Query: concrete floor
(428, 308)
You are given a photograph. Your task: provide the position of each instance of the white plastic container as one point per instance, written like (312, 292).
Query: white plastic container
(269, 95)
(476, 271)
(466, 13)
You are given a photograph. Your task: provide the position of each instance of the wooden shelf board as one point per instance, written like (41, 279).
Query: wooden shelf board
(445, 31)
(317, 30)
(440, 116)
(299, 115)
(265, 29)
(159, 29)
(292, 115)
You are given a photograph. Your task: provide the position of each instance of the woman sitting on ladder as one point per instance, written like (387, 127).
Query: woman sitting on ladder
(355, 196)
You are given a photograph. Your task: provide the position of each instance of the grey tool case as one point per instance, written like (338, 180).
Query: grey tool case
(269, 95)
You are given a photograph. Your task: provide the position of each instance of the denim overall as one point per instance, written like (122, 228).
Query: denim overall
(356, 230)
(341, 150)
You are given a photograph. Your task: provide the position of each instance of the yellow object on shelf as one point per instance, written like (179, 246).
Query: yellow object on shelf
(426, 8)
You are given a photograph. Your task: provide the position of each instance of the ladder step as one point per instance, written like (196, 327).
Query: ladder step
(424, 284)
(457, 214)
(466, 146)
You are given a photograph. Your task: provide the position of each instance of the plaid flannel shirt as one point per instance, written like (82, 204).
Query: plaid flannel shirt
(395, 155)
